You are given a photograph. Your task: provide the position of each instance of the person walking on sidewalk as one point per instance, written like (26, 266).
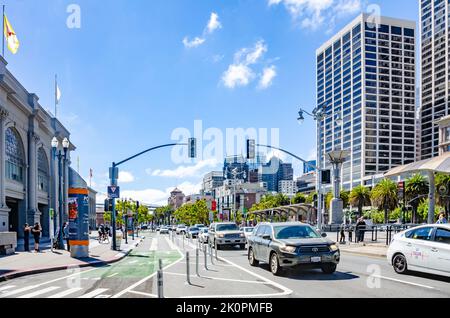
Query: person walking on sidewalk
(37, 230)
(66, 235)
(360, 229)
(26, 237)
(342, 235)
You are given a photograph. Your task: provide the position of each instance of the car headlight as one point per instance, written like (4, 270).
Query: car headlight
(334, 248)
(288, 249)
(242, 235)
(221, 235)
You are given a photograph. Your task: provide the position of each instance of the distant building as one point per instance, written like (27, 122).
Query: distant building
(176, 199)
(238, 163)
(309, 168)
(444, 135)
(306, 184)
(288, 187)
(274, 171)
(211, 181)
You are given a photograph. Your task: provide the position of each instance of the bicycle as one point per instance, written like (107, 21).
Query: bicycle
(103, 238)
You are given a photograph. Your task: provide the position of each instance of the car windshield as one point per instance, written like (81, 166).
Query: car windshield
(193, 229)
(227, 227)
(204, 230)
(295, 232)
(248, 230)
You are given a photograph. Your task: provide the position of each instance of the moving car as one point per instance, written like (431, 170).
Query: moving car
(226, 234)
(174, 228)
(192, 232)
(248, 231)
(164, 230)
(292, 244)
(181, 229)
(424, 248)
(203, 235)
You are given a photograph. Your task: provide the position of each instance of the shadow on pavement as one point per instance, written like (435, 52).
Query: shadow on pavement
(428, 276)
(313, 274)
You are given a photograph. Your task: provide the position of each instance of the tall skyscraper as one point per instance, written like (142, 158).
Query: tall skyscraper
(275, 171)
(366, 75)
(434, 31)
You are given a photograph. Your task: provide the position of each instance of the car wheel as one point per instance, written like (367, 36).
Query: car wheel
(251, 258)
(399, 263)
(275, 267)
(329, 268)
(242, 246)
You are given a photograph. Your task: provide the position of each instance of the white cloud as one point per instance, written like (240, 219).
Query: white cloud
(237, 75)
(125, 177)
(269, 74)
(240, 72)
(185, 171)
(213, 23)
(313, 14)
(196, 42)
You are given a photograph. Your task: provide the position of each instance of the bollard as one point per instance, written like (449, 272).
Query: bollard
(160, 264)
(216, 250)
(206, 258)
(188, 279)
(211, 254)
(196, 262)
(160, 284)
(183, 241)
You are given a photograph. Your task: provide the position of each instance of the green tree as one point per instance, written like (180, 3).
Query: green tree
(299, 198)
(443, 180)
(416, 189)
(422, 211)
(360, 197)
(345, 197)
(385, 197)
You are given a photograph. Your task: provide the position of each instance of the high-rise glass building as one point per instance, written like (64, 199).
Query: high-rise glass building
(435, 73)
(366, 75)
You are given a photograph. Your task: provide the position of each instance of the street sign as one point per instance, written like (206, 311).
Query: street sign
(113, 192)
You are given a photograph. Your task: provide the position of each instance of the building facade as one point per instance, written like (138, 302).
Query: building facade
(236, 162)
(435, 73)
(275, 171)
(366, 76)
(176, 199)
(29, 173)
(211, 181)
(288, 187)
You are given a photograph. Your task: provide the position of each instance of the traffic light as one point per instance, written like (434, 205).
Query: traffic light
(326, 176)
(137, 205)
(108, 205)
(192, 148)
(251, 151)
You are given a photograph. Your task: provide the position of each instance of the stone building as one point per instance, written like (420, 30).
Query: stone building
(28, 171)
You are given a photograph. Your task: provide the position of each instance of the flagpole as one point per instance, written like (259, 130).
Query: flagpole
(56, 97)
(3, 36)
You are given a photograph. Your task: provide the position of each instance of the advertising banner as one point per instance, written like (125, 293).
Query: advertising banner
(79, 222)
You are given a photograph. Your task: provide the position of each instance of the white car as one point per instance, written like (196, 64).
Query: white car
(164, 230)
(247, 231)
(181, 229)
(203, 236)
(424, 248)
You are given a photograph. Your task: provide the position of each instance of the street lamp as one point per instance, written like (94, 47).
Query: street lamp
(62, 157)
(319, 115)
(337, 159)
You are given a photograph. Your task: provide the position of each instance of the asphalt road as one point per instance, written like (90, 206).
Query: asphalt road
(229, 276)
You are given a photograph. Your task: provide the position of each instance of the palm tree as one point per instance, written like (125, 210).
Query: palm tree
(360, 197)
(443, 180)
(416, 189)
(385, 196)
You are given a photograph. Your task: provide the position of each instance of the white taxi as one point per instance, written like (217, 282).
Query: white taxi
(424, 248)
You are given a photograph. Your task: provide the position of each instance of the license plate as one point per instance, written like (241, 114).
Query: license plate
(316, 259)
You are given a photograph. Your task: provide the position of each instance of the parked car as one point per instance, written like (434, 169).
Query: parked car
(181, 229)
(174, 228)
(200, 225)
(424, 248)
(248, 231)
(226, 234)
(164, 230)
(203, 235)
(192, 232)
(292, 244)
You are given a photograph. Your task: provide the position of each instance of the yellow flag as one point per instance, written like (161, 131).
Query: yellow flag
(11, 37)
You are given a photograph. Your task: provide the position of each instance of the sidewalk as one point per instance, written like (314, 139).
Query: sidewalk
(29, 263)
(368, 248)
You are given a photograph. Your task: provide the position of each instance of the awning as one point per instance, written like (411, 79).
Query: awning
(438, 164)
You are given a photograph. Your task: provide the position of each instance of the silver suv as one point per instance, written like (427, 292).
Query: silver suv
(226, 234)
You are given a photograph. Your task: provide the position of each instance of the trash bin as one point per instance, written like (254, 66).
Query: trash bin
(119, 238)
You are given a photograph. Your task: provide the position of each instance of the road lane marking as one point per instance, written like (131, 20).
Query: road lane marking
(112, 275)
(235, 296)
(18, 291)
(154, 245)
(171, 245)
(219, 278)
(402, 281)
(66, 293)
(40, 292)
(7, 287)
(143, 294)
(103, 296)
(94, 293)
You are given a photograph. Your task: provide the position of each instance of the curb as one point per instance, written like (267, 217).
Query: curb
(364, 253)
(17, 274)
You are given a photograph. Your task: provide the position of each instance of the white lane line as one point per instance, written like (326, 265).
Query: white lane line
(7, 287)
(112, 275)
(40, 292)
(402, 281)
(143, 294)
(18, 291)
(154, 245)
(94, 293)
(66, 293)
(128, 289)
(171, 244)
(219, 278)
(103, 296)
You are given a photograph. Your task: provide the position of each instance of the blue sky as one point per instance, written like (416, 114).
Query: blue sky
(136, 70)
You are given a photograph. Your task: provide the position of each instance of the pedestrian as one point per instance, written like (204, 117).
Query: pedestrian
(36, 230)
(26, 237)
(442, 219)
(350, 233)
(342, 238)
(360, 228)
(66, 235)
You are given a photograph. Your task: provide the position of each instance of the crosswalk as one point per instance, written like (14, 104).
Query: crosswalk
(52, 292)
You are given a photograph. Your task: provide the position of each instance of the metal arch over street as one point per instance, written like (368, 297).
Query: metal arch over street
(301, 212)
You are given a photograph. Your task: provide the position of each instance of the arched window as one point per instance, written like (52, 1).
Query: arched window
(43, 171)
(15, 156)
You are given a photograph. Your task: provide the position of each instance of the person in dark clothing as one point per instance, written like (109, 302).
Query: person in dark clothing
(66, 235)
(36, 230)
(342, 234)
(26, 237)
(360, 228)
